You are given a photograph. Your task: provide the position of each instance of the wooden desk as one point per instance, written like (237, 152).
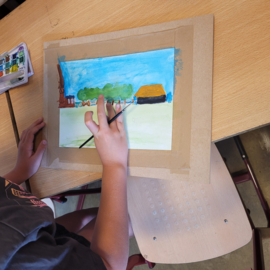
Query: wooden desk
(241, 61)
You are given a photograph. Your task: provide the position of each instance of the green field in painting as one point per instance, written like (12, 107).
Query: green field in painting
(148, 126)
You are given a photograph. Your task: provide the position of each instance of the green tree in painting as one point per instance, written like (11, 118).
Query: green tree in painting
(111, 92)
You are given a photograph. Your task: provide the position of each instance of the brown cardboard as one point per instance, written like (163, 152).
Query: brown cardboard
(187, 36)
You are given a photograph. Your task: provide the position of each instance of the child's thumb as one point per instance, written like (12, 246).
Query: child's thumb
(40, 151)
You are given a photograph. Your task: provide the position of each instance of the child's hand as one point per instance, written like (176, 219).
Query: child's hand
(28, 162)
(110, 140)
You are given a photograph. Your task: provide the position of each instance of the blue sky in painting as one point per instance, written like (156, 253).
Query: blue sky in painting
(138, 69)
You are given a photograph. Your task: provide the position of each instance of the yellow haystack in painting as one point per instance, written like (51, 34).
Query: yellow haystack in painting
(148, 94)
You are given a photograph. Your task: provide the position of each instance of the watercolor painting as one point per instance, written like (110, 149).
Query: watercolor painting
(144, 79)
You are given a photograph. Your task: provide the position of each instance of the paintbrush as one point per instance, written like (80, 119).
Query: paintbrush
(110, 121)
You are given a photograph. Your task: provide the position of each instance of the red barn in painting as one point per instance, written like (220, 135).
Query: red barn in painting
(64, 102)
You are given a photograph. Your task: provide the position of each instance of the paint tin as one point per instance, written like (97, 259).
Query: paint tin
(15, 67)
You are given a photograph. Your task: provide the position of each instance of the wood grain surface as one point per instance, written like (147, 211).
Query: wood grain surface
(57, 181)
(241, 54)
(8, 146)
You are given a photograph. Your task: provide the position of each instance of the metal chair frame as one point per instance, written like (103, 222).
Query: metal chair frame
(258, 259)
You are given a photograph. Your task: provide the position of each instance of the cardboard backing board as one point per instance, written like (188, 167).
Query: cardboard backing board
(189, 158)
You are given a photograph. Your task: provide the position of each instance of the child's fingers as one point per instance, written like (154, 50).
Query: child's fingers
(119, 119)
(111, 114)
(40, 151)
(30, 135)
(118, 108)
(90, 123)
(22, 138)
(110, 110)
(26, 131)
(37, 122)
(102, 119)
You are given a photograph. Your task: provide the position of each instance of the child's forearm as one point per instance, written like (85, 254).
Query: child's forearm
(111, 239)
(15, 177)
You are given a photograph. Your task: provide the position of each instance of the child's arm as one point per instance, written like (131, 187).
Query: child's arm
(110, 238)
(28, 162)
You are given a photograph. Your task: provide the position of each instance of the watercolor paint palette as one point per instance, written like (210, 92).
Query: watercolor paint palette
(15, 67)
